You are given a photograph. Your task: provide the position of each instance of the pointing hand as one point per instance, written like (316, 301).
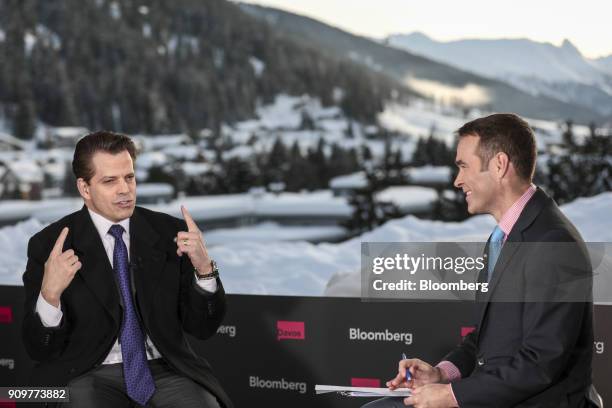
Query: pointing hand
(60, 269)
(192, 244)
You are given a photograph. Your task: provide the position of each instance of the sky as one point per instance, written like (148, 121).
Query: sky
(586, 23)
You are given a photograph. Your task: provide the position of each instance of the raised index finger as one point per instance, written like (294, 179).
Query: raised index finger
(59, 243)
(191, 225)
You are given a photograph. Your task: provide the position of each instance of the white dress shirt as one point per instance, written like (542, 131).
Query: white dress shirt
(51, 316)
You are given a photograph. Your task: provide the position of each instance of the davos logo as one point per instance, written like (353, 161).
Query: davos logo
(280, 384)
(386, 335)
(6, 314)
(465, 330)
(8, 363)
(290, 330)
(227, 330)
(365, 382)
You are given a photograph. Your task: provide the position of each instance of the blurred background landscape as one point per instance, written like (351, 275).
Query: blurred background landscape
(289, 139)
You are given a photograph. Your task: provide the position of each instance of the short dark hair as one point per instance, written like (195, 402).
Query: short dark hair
(102, 141)
(508, 133)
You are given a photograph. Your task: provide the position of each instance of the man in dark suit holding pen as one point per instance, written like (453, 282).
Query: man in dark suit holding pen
(111, 289)
(531, 353)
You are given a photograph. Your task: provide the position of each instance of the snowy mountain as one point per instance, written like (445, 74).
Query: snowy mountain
(439, 81)
(561, 72)
(604, 63)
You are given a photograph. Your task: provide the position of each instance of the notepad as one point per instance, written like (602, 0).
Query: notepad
(362, 391)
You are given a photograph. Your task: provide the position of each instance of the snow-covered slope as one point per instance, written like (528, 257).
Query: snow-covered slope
(301, 268)
(590, 215)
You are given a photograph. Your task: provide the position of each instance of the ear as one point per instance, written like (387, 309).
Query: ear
(83, 188)
(501, 165)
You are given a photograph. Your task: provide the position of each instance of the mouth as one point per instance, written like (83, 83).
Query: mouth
(467, 194)
(124, 203)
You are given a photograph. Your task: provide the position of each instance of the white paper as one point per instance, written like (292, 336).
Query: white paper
(362, 391)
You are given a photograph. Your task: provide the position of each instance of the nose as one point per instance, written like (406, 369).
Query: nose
(458, 183)
(124, 187)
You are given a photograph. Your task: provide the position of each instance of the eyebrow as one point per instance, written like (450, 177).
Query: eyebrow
(114, 177)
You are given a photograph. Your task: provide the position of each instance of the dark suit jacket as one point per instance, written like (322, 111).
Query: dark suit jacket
(536, 352)
(164, 292)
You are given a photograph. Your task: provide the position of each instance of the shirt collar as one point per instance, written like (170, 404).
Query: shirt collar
(103, 225)
(507, 221)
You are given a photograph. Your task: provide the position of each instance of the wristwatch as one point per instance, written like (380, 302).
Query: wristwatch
(214, 274)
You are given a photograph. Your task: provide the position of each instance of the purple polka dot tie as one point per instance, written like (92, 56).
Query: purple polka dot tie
(137, 375)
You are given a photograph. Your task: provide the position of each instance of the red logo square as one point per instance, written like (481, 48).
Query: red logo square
(290, 330)
(6, 314)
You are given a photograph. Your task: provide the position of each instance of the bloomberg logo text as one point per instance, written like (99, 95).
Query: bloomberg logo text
(363, 335)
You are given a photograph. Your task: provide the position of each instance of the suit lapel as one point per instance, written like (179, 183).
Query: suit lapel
(148, 259)
(96, 272)
(528, 215)
(505, 256)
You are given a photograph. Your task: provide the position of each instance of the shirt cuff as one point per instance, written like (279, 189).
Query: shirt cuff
(450, 370)
(209, 285)
(50, 316)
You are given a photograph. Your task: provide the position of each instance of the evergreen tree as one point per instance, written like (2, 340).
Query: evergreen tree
(301, 175)
(366, 153)
(433, 152)
(69, 188)
(318, 160)
(349, 133)
(277, 163)
(568, 134)
(368, 212)
(585, 171)
(341, 161)
(307, 122)
(172, 175)
(238, 176)
(25, 118)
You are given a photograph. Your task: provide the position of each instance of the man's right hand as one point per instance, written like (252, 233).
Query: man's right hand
(60, 269)
(421, 373)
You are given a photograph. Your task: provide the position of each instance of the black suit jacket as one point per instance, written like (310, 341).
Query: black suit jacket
(164, 292)
(536, 352)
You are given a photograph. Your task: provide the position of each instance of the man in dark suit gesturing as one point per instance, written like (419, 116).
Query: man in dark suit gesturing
(530, 347)
(111, 289)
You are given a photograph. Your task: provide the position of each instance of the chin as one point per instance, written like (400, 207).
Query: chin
(472, 209)
(123, 214)
(128, 212)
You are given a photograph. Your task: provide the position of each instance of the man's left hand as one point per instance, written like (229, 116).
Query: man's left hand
(192, 244)
(431, 396)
